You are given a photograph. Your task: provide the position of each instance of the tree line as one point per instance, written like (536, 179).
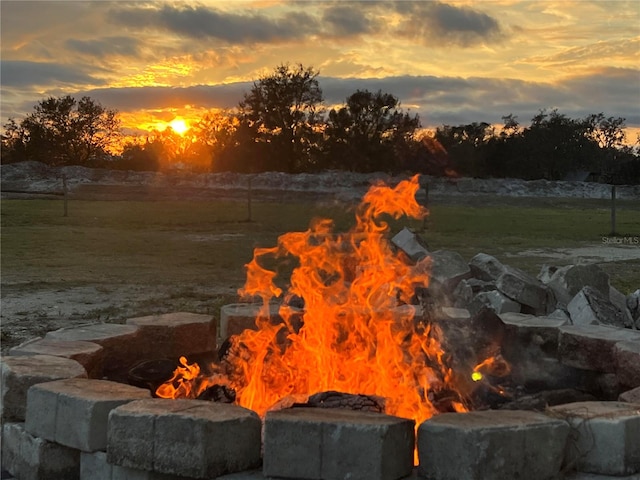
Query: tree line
(282, 124)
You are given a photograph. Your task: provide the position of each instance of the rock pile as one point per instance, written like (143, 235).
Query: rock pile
(579, 294)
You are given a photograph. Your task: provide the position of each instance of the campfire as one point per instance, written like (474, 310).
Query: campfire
(485, 371)
(363, 330)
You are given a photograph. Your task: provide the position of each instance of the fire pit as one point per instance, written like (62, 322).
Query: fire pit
(367, 342)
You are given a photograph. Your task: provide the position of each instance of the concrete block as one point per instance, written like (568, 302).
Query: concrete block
(172, 335)
(605, 436)
(496, 301)
(486, 267)
(21, 372)
(491, 445)
(332, 444)
(567, 281)
(189, 438)
(28, 457)
(237, 317)
(627, 355)
(248, 475)
(94, 466)
(526, 290)
(594, 476)
(121, 344)
(89, 355)
(411, 244)
(590, 307)
(74, 412)
(591, 347)
(630, 396)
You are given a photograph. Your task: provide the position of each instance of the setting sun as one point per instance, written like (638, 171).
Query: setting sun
(179, 126)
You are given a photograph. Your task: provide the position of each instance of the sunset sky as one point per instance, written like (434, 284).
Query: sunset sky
(451, 62)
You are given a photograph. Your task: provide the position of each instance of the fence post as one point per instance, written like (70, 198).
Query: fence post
(249, 199)
(65, 193)
(613, 210)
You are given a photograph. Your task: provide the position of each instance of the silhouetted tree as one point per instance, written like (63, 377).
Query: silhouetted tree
(138, 157)
(63, 131)
(555, 145)
(370, 133)
(467, 146)
(215, 136)
(281, 115)
(14, 146)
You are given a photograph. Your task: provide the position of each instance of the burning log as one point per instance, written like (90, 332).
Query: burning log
(218, 394)
(151, 373)
(333, 399)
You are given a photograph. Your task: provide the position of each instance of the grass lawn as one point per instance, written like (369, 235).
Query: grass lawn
(207, 242)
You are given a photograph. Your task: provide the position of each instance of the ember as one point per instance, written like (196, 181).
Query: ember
(360, 335)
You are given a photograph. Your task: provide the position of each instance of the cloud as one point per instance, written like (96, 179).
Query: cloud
(624, 50)
(149, 98)
(346, 20)
(201, 22)
(438, 100)
(106, 46)
(436, 23)
(23, 74)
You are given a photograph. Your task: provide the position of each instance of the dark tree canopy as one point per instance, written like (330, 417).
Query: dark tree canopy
(63, 131)
(369, 133)
(280, 115)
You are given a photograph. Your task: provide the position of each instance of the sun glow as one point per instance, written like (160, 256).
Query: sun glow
(178, 125)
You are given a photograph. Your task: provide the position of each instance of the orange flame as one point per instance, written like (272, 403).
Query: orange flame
(360, 335)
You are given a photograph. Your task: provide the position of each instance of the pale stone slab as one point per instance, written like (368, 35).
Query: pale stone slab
(491, 445)
(589, 306)
(486, 267)
(74, 412)
(448, 268)
(591, 347)
(526, 290)
(411, 244)
(567, 281)
(627, 355)
(605, 436)
(21, 372)
(314, 443)
(496, 301)
(28, 457)
(531, 347)
(533, 331)
(190, 438)
(172, 335)
(89, 355)
(630, 396)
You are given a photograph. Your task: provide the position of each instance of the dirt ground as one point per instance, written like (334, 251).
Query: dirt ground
(33, 308)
